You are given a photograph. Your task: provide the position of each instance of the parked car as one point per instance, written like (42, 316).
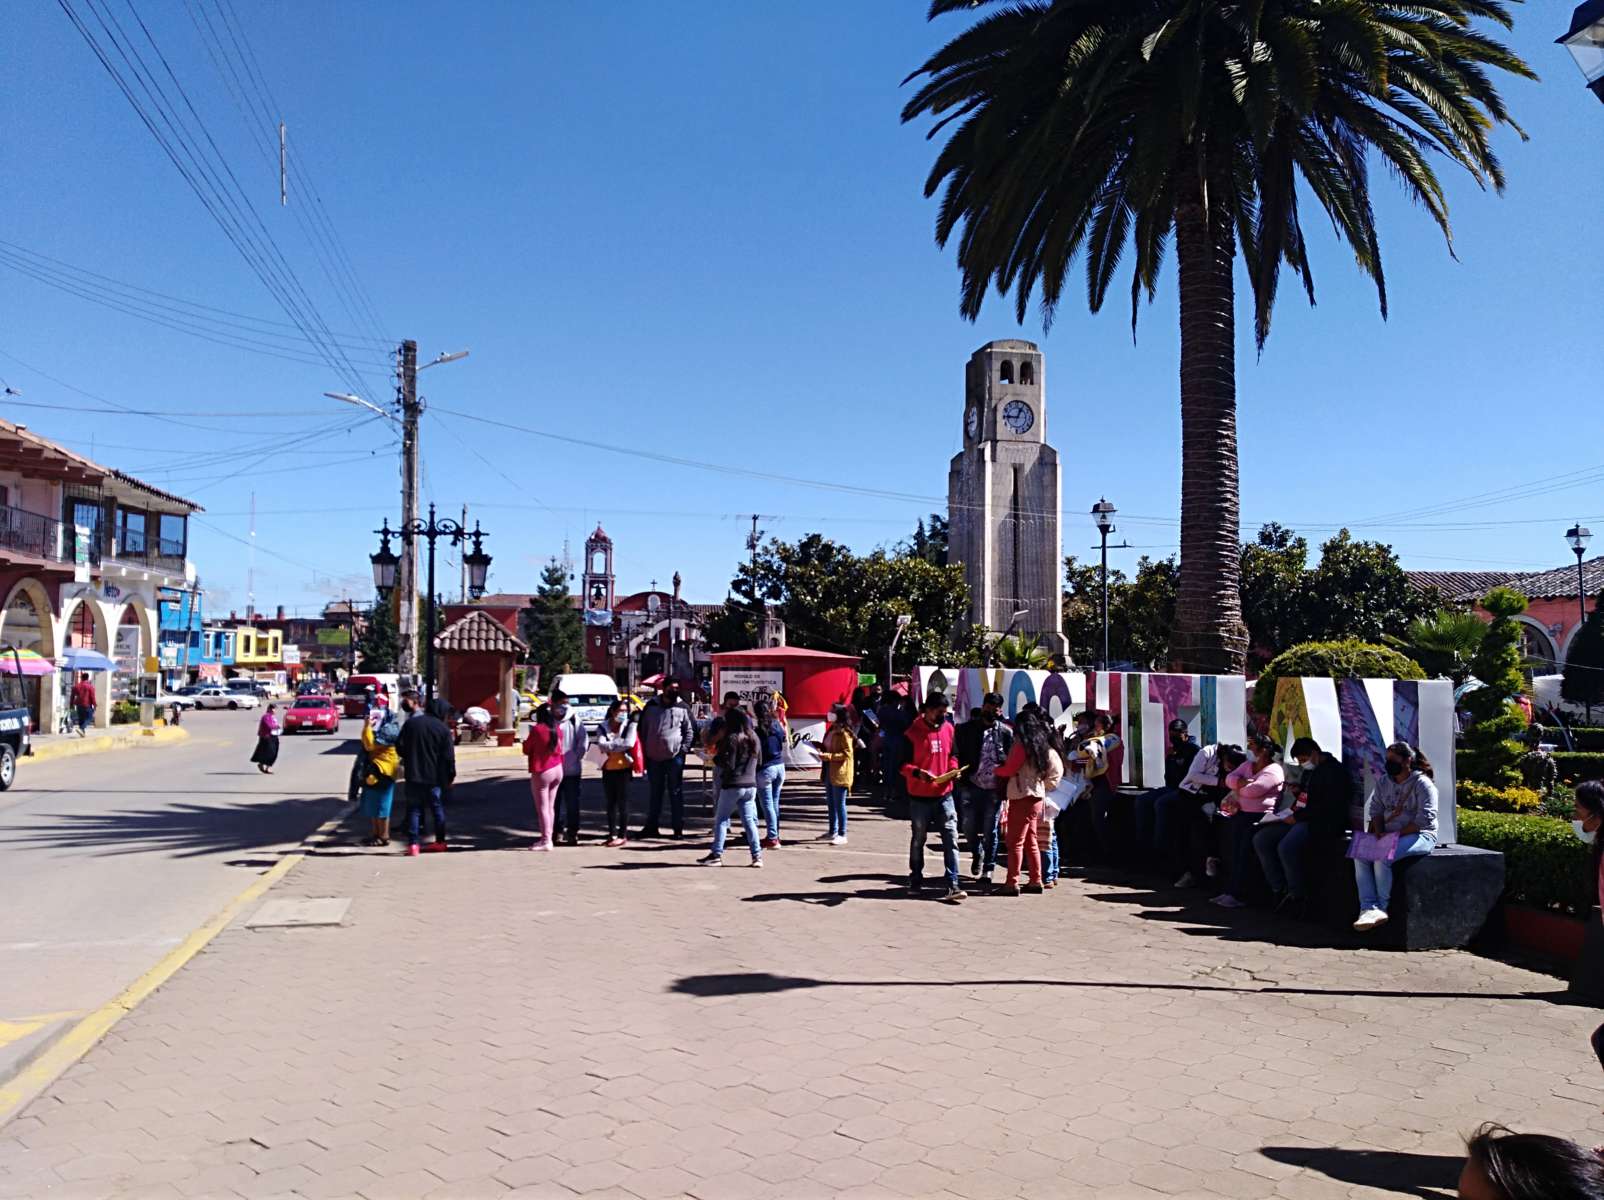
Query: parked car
(311, 713)
(222, 697)
(253, 687)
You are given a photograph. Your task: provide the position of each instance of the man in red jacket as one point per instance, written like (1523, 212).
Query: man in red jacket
(83, 702)
(930, 795)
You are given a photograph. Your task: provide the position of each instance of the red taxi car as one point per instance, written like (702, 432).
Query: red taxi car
(310, 713)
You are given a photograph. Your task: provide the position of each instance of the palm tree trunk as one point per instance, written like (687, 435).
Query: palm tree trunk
(1209, 637)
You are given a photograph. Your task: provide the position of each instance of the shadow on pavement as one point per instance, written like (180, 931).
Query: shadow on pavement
(1198, 918)
(180, 830)
(1429, 1176)
(754, 982)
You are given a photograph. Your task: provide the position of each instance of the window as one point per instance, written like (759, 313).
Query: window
(174, 528)
(130, 531)
(1006, 374)
(1027, 372)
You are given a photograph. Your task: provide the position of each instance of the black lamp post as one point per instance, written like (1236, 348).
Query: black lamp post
(1585, 41)
(1578, 535)
(1103, 514)
(476, 560)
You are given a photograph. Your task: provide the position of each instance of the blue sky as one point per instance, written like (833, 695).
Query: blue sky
(699, 231)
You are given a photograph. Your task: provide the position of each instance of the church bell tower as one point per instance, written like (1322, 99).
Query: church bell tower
(1004, 494)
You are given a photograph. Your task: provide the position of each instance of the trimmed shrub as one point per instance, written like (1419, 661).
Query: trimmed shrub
(1350, 659)
(1500, 800)
(1545, 865)
(1576, 765)
(1586, 737)
(1560, 803)
(1496, 720)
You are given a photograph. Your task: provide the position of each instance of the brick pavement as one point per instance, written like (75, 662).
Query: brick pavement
(494, 1022)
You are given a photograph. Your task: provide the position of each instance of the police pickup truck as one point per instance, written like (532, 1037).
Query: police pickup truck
(15, 723)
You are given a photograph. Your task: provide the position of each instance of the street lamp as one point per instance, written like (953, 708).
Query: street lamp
(1585, 41)
(348, 398)
(476, 560)
(903, 621)
(1578, 535)
(1103, 514)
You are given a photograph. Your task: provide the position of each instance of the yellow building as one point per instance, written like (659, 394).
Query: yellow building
(255, 647)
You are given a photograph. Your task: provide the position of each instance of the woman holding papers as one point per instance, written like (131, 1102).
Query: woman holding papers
(1033, 769)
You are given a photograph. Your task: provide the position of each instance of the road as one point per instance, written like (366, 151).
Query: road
(110, 860)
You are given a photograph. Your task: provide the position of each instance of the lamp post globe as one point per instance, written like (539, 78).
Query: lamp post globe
(478, 563)
(385, 561)
(1585, 40)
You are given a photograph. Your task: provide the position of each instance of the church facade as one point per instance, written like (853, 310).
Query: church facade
(1004, 495)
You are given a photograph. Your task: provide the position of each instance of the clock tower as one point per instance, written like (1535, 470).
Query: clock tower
(1004, 495)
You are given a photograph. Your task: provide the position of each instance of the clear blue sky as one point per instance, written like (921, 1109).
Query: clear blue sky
(699, 230)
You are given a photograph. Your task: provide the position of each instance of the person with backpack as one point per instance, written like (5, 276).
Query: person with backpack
(982, 744)
(735, 759)
(619, 742)
(771, 740)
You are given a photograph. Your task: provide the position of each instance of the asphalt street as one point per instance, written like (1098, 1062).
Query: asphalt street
(110, 860)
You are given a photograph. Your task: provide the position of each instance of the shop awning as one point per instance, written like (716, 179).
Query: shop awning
(24, 662)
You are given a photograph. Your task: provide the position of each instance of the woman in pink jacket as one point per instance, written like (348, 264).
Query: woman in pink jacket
(1254, 789)
(544, 748)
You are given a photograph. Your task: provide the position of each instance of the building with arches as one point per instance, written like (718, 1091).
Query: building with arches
(1552, 617)
(86, 553)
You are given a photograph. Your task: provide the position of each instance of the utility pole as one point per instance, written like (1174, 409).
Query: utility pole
(759, 608)
(462, 565)
(407, 572)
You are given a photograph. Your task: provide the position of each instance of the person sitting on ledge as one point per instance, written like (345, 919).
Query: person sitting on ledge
(1255, 789)
(1314, 824)
(1187, 815)
(1401, 817)
(1502, 1165)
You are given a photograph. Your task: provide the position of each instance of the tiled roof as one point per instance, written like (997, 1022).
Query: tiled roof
(1452, 585)
(478, 633)
(1556, 584)
(505, 600)
(156, 491)
(76, 465)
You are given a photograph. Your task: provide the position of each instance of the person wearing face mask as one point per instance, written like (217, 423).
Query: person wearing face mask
(575, 740)
(1151, 813)
(1316, 823)
(544, 750)
(1404, 803)
(666, 733)
(1588, 820)
(981, 745)
(429, 761)
(1254, 789)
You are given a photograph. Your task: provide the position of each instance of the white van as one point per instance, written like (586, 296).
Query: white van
(589, 696)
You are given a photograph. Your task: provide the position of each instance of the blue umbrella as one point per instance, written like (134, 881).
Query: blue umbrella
(81, 658)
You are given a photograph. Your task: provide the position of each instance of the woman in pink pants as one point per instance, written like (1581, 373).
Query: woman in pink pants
(544, 748)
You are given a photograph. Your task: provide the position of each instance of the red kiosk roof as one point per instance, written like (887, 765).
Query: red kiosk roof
(782, 654)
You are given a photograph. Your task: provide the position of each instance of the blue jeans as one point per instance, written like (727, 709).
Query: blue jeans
(1152, 815)
(665, 775)
(1375, 879)
(1049, 854)
(836, 794)
(85, 715)
(1283, 852)
(730, 799)
(568, 806)
(769, 781)
(419, 794)
(980, 808)
(923, 812)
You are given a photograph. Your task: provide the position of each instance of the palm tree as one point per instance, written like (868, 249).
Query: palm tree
(1021, 651)
(1445, 642)
(1110, 125)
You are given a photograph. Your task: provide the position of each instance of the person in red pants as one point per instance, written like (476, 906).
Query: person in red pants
(1032, 770)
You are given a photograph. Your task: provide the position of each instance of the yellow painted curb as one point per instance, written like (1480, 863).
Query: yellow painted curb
(19, 1091)
(72, 747)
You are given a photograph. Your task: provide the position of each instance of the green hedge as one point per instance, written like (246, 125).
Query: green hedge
(1585, 737)
(1573, 764)
(1545, 865)
(1349, 658)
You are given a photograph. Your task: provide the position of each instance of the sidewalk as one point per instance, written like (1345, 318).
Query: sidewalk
(497, 1022)
(48, 746)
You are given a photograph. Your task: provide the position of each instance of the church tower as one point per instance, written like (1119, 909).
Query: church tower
(596, 590)
(1004, 494)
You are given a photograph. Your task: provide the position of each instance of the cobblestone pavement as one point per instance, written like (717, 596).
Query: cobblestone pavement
(622, 1023)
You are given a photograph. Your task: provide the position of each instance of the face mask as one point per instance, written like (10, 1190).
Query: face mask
(1587, 835)
(1396, 769)
(989, 717)
(561, 710)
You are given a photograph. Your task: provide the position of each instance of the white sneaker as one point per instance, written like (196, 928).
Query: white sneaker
(757, 862)
(1211, 868)
(1371, 918)
(1226, 900)
(1185, 881)
(839, 839)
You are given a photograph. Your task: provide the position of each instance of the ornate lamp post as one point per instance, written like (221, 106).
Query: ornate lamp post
(1103, 514)
(476, 560)
(1578, 535)
(1585, 41)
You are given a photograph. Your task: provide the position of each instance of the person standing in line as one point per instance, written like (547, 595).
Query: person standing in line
(1314, 824)
(617, 741)
(1033, 769)
(267, 731)
(666, 732)
(839, 756)
(429, 760)
(575, 741)
(1403, 803)
(771, 740)
(896, 715)
(981, 745)
(1254, 789)
(544, 750)
(929, 776)
(83, 702)
(735, 758)
(378, 768)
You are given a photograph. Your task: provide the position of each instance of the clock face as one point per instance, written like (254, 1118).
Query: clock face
(1018, 417)
(972, 422)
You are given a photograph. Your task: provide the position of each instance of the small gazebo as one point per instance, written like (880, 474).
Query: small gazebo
(478, 657)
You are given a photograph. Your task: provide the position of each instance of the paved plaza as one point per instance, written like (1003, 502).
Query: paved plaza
(495, 1022)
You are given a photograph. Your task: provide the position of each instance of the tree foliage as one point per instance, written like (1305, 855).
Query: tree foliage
(552, 625)
(380, 643)
(929, 541)
(1141, 612)
(1022, 651)
(1444, 642)
(1347, 659)
(1491, 752)
(1584, 664)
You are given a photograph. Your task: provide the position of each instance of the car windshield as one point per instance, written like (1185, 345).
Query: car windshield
(311, 704)
(592, 701)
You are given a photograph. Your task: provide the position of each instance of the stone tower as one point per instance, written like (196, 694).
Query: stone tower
(1004, 494)
(596, 592)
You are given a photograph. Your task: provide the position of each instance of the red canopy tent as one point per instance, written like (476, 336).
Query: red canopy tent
(810, 680)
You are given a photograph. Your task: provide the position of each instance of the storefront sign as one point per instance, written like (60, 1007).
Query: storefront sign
(292, 655)
(125, 649)
(80, 553)
(753, 685)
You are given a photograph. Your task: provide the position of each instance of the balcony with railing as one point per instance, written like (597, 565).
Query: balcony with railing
(132, 547)
(30, 535)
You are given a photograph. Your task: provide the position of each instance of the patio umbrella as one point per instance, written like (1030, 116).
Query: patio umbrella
(24, 662)
(653, 681)
(82, 658)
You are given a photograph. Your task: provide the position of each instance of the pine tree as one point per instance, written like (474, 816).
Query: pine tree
(1584, 665)
(1491, 751)
(552, 625)
(380, 643)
